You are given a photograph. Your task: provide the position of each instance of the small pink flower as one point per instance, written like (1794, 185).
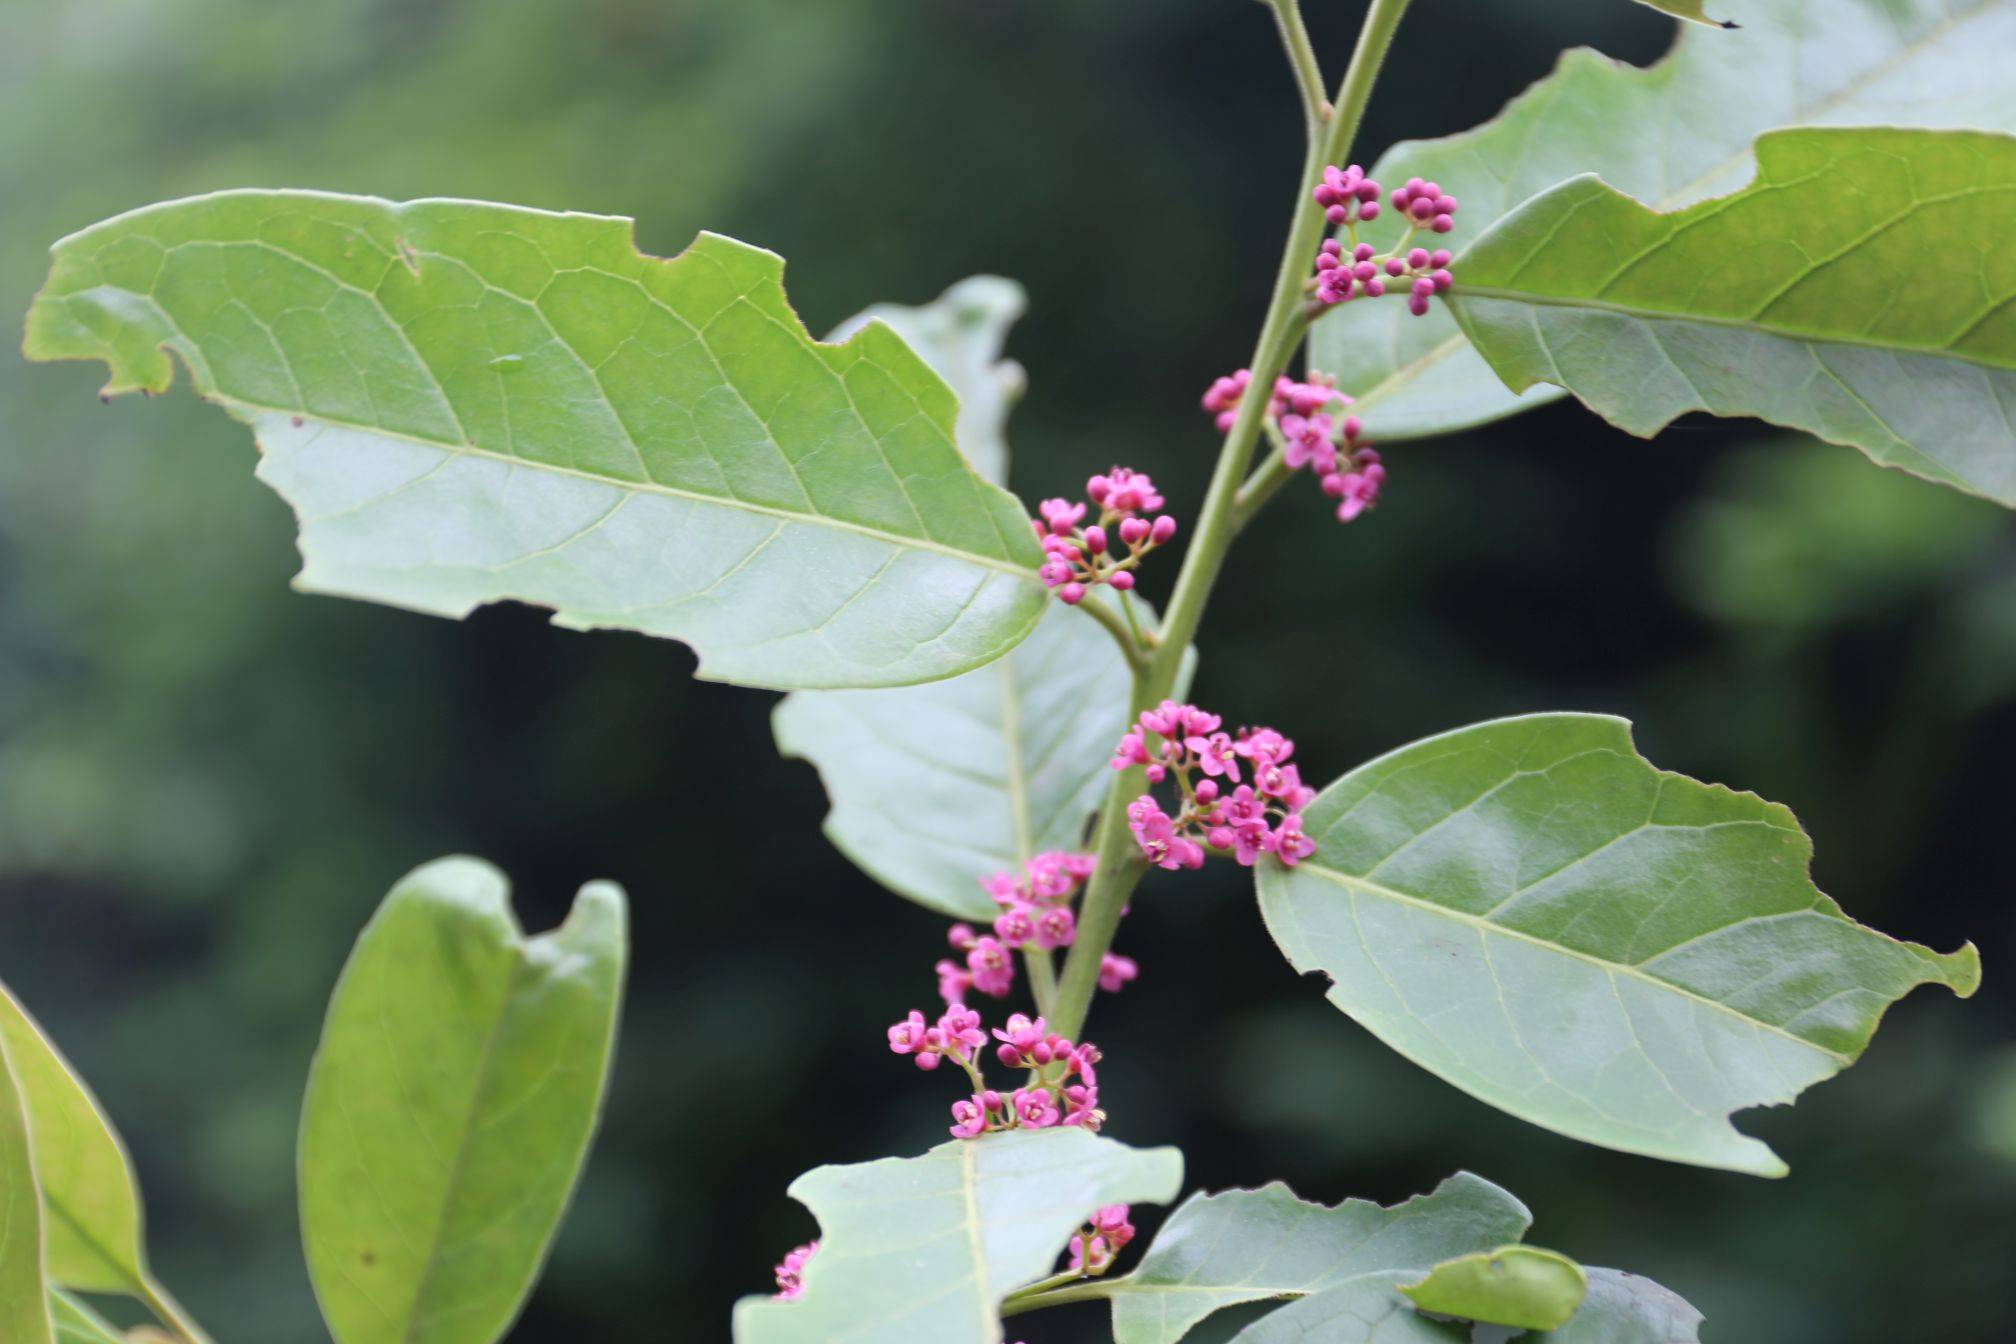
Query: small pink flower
(910, 1037)
(1124, 491)
(1020, 1038)
(1055, 928)
(969, 1118)
(992, 968)
(1289, 844)
(1062, 515)
(1215, 755)
(1015, 927)
(1035, 1108)
(790, 1271)
(1116, 971)
(959, 1032)
(953, 981)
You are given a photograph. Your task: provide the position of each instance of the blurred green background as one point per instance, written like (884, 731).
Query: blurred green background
(207, 782)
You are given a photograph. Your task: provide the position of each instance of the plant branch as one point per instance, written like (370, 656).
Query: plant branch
(1116, 626)
(1042, 978)
(1037, 1295)
(1120, 866)
(1265, 482)
(1302, 60)
(169, 1312)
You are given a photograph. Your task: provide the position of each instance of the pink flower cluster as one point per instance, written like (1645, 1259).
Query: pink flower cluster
(1219, 809)
(791, 1271)
(1347, 195)
(1035, 913)
(1304, 412)
(1075, 558)
(1106, 1232)
(1349, 198)
(1025, 1043)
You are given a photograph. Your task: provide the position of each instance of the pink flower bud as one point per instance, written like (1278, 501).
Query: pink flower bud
(1369, 210)
(1164, 528)
(1071, 594)
(1095, 540)
(1122, 579)
(1133, 530)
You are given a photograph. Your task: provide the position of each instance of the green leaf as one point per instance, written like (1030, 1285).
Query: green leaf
(1364, 1310)
(921, 1250)
(1532, 911)
(467, 403)
(960, 334)
(1248, 1245)
(78, 1324)
(1520, 1286)
(1627, 1309)
(1795, 300)
(24, 1284)
(1676, 133)
(1691, 10)
(450, 1104)
(936, 786)
(89, 1193)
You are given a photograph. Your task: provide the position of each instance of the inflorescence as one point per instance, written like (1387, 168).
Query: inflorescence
(1076, 558)
(1047, 1097)
(1347, 268)
(1311, 434)
(1219, 810)
(1035, 913)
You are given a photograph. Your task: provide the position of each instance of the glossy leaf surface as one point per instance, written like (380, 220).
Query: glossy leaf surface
(1534, 912)
(921, 1250)
(466, 403)
(450, 1105)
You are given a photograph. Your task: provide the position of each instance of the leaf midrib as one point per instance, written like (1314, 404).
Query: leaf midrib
(231, 402)
(1747, 325)
(1486, 926)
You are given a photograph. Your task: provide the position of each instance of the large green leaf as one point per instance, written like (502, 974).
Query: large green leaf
(24, 1283)
(466, 403)
(936, 786)
(960, 334)
(1531, 910)
(1248, 1245)
(1857, 289)
(450, 1105)
(1521, 1286)
(1626, 1309)
(921, 1250)
(1670, 135)
(93, 1228)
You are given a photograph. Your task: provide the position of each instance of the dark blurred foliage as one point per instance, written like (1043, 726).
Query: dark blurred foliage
(206, 782)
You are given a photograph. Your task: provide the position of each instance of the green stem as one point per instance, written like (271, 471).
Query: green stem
(1042, 978)
(1117, 626)
(1302, 59)
(1265, 482)
(1030, 1299)
(168, 1311)
(1120, 866)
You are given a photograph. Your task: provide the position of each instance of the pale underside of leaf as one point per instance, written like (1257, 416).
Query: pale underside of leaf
(1216, 1251)
(467, 403)
(78, 1324)
(1794, 300)
(1535, 913)
(934, 787)
(925, 1248)
(450, 1105)
(1670, 135)
(1626, 1308)
(89, 1193)
(1368, 1309)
